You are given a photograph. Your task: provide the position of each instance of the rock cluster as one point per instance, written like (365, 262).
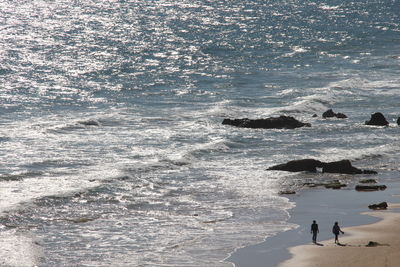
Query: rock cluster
(287, 122)
(313, 165)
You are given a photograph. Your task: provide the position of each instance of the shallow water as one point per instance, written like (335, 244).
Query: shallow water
(112, 147)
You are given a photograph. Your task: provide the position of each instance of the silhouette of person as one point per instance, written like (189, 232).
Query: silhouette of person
(314, 231)
(336, 231)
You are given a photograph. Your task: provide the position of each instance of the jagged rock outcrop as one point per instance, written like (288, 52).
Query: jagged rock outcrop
(330, 114)
(377, 119)
(380, 206)
(311, 165)
(282, 122)
(342, 166)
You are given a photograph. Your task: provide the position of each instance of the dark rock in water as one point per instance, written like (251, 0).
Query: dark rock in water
(377, 119)
(370, 187)
(334, 185)
(315, 115)
(330, 114)
(342, 166)
(330, 185)
(398, 121)
(380, 206)
(311, 185)
(287, 192)
(341, 116)
(368, 181)
(282, 122)
(81, 220)
(311, 165)
(369, 172)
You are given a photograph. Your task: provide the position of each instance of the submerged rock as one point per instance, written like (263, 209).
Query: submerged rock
(330, 114)
(335, 185)
(377, 119)
(282, 122)
(369, 172)
(311, 185)
(81, 220)
(368, 181)
(89, 123)
(370, 187)
(311, 165)
(398, 121)
(287, 192)
(380, 206)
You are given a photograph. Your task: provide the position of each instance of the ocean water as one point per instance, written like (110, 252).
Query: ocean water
(112, 147)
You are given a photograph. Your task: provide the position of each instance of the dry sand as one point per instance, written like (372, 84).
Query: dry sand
(353, 251)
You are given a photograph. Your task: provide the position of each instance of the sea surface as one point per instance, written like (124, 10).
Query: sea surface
(112, 151)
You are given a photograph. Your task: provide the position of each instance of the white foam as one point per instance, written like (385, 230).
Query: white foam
(370, 151)
(13, 194)
(19, 249)
(328, 7)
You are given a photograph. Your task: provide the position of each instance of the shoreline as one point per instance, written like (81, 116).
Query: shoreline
(347, 206)
(353, 250)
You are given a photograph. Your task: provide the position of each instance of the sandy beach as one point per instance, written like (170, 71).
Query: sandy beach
(353, 250)
(360, 224)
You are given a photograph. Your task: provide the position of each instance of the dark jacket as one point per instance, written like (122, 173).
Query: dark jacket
(336, 229)
(314, 227)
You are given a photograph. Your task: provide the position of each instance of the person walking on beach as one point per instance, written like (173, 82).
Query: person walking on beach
(314, 231)
(336, 231)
